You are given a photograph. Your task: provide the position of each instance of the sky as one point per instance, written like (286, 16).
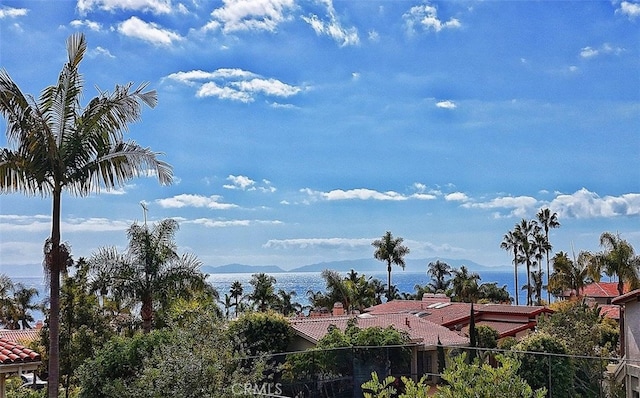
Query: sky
(300, 131)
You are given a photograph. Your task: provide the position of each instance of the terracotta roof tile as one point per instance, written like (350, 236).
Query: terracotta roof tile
(419, 330)
(24, 336)
(610, 311)
(12, 352)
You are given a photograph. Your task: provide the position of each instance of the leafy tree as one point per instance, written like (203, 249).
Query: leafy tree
(477, 380)
(619, 259)
(263, 295)
(147, 365)
(546, 370)
(487, 336)
(548, 220)
(392, 251)
(439, 271)
(83, 328)
(256, 333)
(151, 271)
(56, 145)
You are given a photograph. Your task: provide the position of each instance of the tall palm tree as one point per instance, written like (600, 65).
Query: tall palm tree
(525, 232)
(236, 290)
(392, 251)
(541, 247)
(548, 220)
(56, 145)
(510, 243)
(151, 271)
(619, 258)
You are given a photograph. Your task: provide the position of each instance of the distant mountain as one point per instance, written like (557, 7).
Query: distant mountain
(360, 265)
(240, 269)
(412, 265)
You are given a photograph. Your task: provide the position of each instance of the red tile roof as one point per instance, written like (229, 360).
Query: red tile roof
(599, 290)
(419, 330)
(510, 318)
(11, 353)
(610, 311)
(24, 336)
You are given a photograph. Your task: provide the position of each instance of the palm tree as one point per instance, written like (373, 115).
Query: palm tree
(572, 275)
(22, 299)
(285, 303)
(619, 258)
(510, 243)
(392, 251)
(6, 301)
(338, 290)
(227, 303)
(548, 220)
(263, 295)
(541, 248)
(438, 270)
(57, 145)
(236, 290)
(465, 285)
(151, 271)
(525, 233)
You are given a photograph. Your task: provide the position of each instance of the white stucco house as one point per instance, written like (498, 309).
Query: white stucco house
(629, 368)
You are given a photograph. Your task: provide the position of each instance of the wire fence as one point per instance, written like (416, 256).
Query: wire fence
(340, 372)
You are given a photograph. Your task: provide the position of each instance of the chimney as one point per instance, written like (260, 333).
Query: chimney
(338, 309)
(39, 325)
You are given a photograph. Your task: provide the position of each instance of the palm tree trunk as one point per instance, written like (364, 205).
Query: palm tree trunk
(147, 314)
(389, 280)
(54, 298)
(515, 273)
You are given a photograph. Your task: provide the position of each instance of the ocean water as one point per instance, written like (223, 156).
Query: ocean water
(301, 282)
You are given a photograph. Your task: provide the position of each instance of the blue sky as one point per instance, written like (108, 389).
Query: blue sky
(300, 131)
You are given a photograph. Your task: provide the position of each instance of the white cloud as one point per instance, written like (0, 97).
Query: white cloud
(456, 197)
(448, 104)
(234, 84)
(426, 17)
(630, 9)
(519, 206)
(245, 15)
(40, 223)
(606, 48)
(332, 27)
(210, 223)
(92, 25)
(310, 243)
(153, 6)
(586, 204)
(10, 12)
(240, 182)
(187, 200)
(360, 194)
(148, 31)
(99, 51)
